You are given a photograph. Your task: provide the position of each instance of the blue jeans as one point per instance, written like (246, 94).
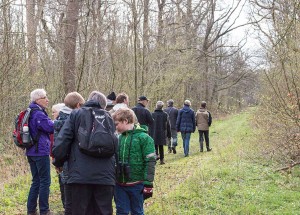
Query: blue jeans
(129, 199)
(40, 186)
(186, 142)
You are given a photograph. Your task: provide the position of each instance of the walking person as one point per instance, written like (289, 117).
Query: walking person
(185, 124)
(135, 164)
(41, 126)
(143, 115)
(91, 178)
(173, 113)
(160, 130)
(203, 121)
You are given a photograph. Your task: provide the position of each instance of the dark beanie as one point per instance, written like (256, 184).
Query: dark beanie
(112, 96)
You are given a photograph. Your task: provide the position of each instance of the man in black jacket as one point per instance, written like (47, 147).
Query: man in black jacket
(173, 113)
(142, 113)
(92, 179)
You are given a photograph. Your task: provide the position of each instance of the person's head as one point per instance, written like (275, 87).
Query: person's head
(203, 104)
(56, 108)
(143, 100)
(98, 97)
(124, 119)
(122, 98)
(74, 100)
(39, 96)
(187, 103)
(170, 102)
(159, 105)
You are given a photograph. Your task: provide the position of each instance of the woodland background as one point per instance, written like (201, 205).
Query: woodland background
(179, 49)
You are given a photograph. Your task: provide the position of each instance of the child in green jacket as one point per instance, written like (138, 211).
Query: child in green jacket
(135, 164)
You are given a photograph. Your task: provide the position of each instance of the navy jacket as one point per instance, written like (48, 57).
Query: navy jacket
(82, 168)
(186, 120)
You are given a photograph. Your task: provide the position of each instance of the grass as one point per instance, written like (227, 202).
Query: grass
(232, 179)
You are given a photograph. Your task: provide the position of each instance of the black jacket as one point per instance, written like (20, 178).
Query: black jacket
(173, 113)
(83, 169)
(160, 129)
(143, 115)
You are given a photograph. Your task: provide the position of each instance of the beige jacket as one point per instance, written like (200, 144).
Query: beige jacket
(202, 119)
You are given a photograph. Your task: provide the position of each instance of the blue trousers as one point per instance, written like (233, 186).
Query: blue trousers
(186, 142)
(40, 186)
(129, 199)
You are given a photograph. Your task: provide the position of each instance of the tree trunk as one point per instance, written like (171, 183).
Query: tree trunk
(71, 25)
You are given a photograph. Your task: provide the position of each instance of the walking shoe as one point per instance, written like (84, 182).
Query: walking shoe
(32, 213)
(209, 149)
(157, 157)
(162, 162)
(169, 150)
(201, 150)
(174, 150)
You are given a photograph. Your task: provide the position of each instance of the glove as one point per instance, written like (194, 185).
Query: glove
(148, 191)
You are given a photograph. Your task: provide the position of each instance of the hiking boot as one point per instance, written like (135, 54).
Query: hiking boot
(162, 162)
(169, 150)
(47, 213)
(174, 150)
(209, 149)
(157, 157)
(32, 213)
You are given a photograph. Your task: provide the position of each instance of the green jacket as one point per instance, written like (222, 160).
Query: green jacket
(140, 155)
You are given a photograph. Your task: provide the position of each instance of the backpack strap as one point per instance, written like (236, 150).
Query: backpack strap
(37, 137)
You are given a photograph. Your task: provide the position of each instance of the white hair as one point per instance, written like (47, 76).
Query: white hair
(37, 94)
(187, 102)
(58, 107)
(159, 105)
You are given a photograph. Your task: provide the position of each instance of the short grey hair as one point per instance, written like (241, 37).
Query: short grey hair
(187, 102)
(98, 97)
(58, 107)
(37, 94)
(170, 102)
(159, 105)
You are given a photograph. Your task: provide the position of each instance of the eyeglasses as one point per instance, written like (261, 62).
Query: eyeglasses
(44, 97)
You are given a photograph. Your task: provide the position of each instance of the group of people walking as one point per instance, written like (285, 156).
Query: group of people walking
(88, 184)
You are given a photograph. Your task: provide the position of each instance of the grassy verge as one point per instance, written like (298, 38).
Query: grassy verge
(232, 179)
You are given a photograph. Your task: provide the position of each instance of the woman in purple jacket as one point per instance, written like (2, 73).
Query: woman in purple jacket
(40, 128)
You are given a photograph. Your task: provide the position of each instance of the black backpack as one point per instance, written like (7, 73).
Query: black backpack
(96, 133)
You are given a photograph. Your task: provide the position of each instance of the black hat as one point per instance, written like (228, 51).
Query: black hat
(143, 98)
(111, 96)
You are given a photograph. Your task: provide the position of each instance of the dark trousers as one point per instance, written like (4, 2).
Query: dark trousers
(62, 190)
(159, 149)
(201, 140)
(92, 199)
(68, 199)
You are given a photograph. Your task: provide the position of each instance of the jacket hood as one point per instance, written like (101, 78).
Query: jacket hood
(35, 105)
(66, 110)
(186, 109)
(202, 109)
(92, 103)
(137, 129)
(119, 105)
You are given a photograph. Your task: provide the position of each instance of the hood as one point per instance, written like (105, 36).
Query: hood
(202, 109)
(35, 105)
(137, 129)
(186, 109)
(66, 110)
(120, 105)
(92, 103)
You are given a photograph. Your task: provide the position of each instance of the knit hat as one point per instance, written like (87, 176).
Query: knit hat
(111, 96)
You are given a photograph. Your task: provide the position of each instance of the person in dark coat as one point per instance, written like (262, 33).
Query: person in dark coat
(186, 125)
(91, 179)
(143, 115)
(160, 130)
(173, 113)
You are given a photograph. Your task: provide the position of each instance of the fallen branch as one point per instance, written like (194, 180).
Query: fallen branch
(288, 167)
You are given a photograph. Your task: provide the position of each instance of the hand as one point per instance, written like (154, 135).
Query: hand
(148, 191)
(58, 169)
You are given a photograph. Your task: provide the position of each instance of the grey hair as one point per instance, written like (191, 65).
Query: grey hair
(58, 107)
(98, 97)
(187, 102)
(37, 94)
(170, 102)
(159, 105)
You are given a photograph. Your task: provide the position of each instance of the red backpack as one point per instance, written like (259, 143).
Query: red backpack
(21, 133)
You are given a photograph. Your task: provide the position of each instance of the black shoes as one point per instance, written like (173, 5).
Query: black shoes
(162, 162)
(174, 150)
(209, 149)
